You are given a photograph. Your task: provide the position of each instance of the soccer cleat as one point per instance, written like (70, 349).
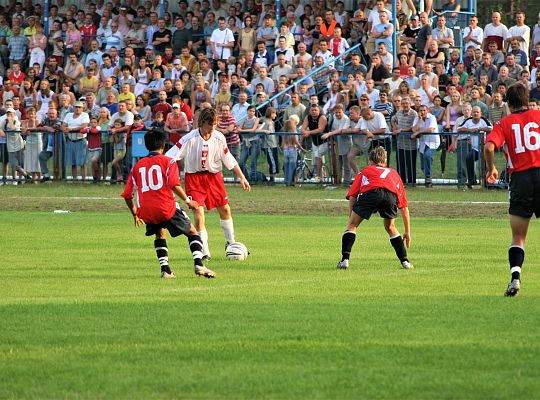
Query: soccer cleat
(343, 264)
(513, 288)
(407, 265)
(203, 271)
(167, 275)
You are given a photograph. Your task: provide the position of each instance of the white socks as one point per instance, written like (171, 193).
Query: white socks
(228, 229)
(204, 238)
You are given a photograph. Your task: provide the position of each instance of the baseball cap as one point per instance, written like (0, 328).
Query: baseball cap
(123, 6)
(177, 61)
(78, 104)
(82, 98)
(10, 109)
(537, 59)
(176, 105)
(414, 16)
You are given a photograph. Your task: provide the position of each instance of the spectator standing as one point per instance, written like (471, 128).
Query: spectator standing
(473, 35)
(423, 37)
(476, 126)
(17, 45)
(221, 42)
(521, 33)
(269, 33)
(425, 130)
(315, 125)
(495, 32)
(402, 123)
(161, 38)
(74, 125)
(54, 136)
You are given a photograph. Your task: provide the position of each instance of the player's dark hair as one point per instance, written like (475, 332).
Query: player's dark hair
(154, 139)
(208, 115)
(378, 156)
(517, 96)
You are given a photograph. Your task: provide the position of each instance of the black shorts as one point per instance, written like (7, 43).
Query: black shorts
(525, 193)
(179, 224)
(378, 200)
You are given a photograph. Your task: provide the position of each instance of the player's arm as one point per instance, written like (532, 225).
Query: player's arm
(492, 174)
(185, 198)
(131, 205)
(243, 181)
(407, 223)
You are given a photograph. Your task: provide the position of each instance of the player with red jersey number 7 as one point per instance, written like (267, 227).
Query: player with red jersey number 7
(519, 132)
(377, 188)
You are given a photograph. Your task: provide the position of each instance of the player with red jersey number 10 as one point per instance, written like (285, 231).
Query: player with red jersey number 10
(519, 134)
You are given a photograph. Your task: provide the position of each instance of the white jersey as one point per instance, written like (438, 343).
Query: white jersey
(201, 155)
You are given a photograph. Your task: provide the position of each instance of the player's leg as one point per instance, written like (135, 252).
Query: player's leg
(200, 226)
(162, 253)
(397, 242)
(226, 223)
(348, 239)
(516, 252)
(196, 248)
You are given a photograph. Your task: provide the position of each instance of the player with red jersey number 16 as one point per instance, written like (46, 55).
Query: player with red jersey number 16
(519, 134)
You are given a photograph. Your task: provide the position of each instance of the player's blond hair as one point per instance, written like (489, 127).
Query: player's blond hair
(378, 156)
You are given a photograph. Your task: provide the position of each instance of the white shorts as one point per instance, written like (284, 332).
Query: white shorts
(320, 150)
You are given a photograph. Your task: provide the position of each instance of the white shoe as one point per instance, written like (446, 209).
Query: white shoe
(343, 264)
(166, 275)
(315, 179)
(14, 183)
(513, 288)
(407, 265)
(204, 271)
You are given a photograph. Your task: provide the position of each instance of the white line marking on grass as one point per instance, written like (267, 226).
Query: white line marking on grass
(430, 201)
(72, 198)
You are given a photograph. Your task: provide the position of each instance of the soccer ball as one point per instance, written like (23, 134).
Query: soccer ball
(236, 251)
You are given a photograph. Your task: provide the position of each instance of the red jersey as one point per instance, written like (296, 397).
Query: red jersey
(233, 139)
(88, 33)
(94, 137)
(373, 177)
(165, 108)
(153, 178)
(519, 132)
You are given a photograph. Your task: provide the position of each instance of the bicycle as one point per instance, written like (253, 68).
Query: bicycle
(304, 173)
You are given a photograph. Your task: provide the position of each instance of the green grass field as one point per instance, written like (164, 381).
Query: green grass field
(84, 314)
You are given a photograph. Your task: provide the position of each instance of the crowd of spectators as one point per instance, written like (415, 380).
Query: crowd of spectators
(77, 92)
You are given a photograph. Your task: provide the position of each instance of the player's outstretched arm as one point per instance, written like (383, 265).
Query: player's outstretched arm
(407, 222)
(138, 222)
(492, 174)
(243, 181)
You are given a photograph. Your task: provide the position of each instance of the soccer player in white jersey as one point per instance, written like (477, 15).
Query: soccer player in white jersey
(203, 151)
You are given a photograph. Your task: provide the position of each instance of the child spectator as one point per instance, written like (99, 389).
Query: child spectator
(119, 149)
(93, 134)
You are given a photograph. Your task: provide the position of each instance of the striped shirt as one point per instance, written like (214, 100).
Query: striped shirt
(233, 139)
(405, 121)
